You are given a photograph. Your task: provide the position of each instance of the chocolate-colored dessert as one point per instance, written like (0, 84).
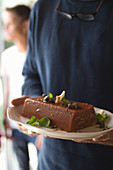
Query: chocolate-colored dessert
(63, 114)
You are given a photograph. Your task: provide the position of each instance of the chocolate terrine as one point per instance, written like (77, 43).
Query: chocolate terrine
(63, 114)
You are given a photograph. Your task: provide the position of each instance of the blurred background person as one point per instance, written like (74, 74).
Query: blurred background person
(15, 22)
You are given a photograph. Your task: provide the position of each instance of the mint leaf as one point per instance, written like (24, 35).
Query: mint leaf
(50, 95)
(44, 122)
(32, 121)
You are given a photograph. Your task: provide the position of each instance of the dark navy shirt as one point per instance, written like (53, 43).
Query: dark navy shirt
(76, 56)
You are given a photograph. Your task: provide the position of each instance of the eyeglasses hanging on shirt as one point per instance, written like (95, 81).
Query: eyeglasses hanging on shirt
(82, 16)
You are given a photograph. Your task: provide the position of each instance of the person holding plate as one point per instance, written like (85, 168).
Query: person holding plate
(70, 47)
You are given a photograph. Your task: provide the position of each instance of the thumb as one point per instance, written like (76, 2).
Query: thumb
(102, 138)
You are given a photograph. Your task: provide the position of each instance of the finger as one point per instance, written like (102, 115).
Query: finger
(102, 138)
(20, 127)
(19, 124)
(29, 133)
(48, 136)
(82, 140)
(32, 133)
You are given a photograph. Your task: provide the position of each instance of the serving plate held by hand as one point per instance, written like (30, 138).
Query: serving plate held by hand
(87, 133)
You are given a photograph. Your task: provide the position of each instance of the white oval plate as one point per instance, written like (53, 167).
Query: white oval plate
(87, 133)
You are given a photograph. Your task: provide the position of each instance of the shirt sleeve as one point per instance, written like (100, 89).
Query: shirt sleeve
(32, 85)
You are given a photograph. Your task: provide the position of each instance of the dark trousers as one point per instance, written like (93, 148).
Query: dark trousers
(20, 145)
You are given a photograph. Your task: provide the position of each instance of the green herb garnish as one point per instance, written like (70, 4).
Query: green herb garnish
(50, 95)
(32, 121)
(65, 102)
(101, 119)
(44, 122)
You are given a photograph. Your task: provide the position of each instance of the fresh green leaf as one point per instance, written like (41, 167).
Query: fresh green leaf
(50, 95)
(32, 124)
(101, 117)
(32, 121)
(65, 102)
(44, 122)
(104, 116)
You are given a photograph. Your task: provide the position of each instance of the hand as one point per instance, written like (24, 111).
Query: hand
(106, 139)
(26, 131)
